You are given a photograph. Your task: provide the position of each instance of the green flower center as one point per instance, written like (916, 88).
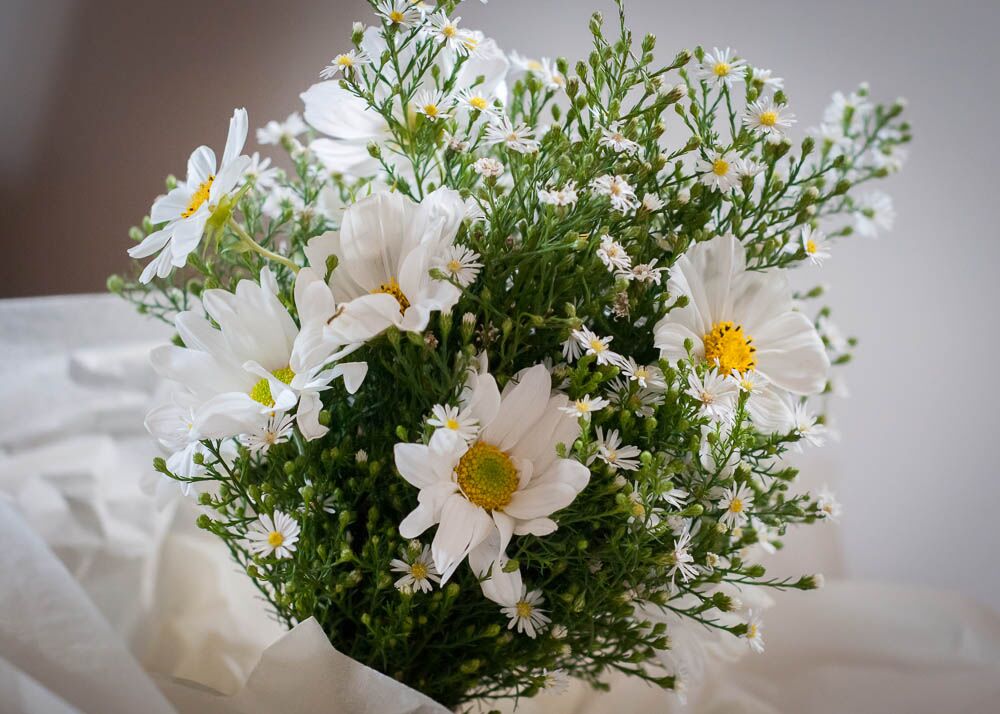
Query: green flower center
(261, 391)
(487, 476)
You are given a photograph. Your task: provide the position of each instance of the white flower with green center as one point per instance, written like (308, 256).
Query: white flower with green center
(257, 363)
(273, 535)
(508, 480)
(385, 250)
(187, 208)
(740, 319)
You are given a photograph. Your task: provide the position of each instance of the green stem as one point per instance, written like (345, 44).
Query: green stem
(254, 246)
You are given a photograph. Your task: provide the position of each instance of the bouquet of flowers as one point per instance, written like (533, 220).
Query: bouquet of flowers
(496, 378)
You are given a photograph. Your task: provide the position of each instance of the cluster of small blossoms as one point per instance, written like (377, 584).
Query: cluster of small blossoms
(499, 371)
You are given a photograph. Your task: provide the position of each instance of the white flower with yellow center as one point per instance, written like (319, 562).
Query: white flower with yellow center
(401, 13)
(611, 451)
(753, 635)
(827, 505)
(488, 167)
(276, 430)
(720, 67)
(556, 681)
(766, 79)
(460, 264)
(646, 375)
(187, 208)
(278, 133)
(345, 63)
(475, 99)
(613, 255)
(432, 104)
(719, 171)
(585, 406)
(526, 613)
(616, 188)
(385, 250)
(714, 392)
(680, 559)
(814, 244)
(273, 535)
(524, 64)
(454, 421)
(740, 319)
(508, 480)
(613, 138)
(418, 574)
(519, 138)
(750, 381)
(600, 347)
(445, 30)
(551, 77)
(735, 503)
(767, 118)
(256, 364)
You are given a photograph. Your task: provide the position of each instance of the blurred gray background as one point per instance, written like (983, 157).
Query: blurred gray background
(102, 98)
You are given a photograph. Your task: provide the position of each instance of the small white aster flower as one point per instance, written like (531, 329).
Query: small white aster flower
(616, 188)
(571, 349)
(720, 67)
(526, 615)
(641, 401)
(681, 560)
(675, 497)
(402, 13)
(276, 430)
(719, 171)
(474, 99)
(551, 77)
(747, 167)
(613, 255)
(644, 273)
(840, 104)
(361, 456)
(767, 118)
(874, 213)
(611, 451)
(555, 681)
(565, 196)
(488, 167)
(446, 31)
(827, 505)
(767, 79)
(751, 381)
(264, 176)
(281, 132)
(432, 104)
(418, 574)
(753, 634)
(647, 375)
(714, 392)
(559, 632)
(517, 138)
(613, 138)
(806, 425)
(273, 535)
(454, 420)
(652, 203)
(455, 143)
(814, 244)
(585, 406)
(345, 63)
(735, 503)
(597, 346)
(461, 265)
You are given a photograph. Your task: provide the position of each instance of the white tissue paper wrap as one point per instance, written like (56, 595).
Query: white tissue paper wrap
(113, 601)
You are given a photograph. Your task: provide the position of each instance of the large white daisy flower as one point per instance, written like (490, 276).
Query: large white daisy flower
(741, 319)
(386, 248)
(187, 208)
(255, 365)
(507, 481)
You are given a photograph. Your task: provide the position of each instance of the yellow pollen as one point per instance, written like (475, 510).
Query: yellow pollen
(768, 118)
(431, 110)
(396, 16)
(449, 31)
(721, 69)
(533, 65)
(275, 539)
(471, 43)
(726, 344)
(638, 510)
(615, 188)
(597, 346)
(487, 476)
(454, 265)
(736, 505)
(261, 392)
(392, 288)
(478, 103)
(345, 61)
(198, 197)
(524, 609)
(752, 631)
(452, 424)
(810, 246)
(419, 571)
(720, 167)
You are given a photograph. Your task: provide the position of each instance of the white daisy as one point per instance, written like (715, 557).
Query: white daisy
(613, 138)
(646, 375)
(641, 401)
(767, 80)
(402, 13)
(279, 133)
(652, 203)
(613, 255)
(750, 381)
(843, 106)
(346, 63)
(418, 574)
(525, 64)
(460, 264)
(446, 31)
(526, 614)
(806, 425)
(550, 76)
(488, 167)
(565, 196)
(273, 535)
(276, 430)
(747, 167)
(827, 505)
(720, 67)
(432, 104)
(474, 99)
(767, 118)
(611, 451)
(597, 346)
(814, 244)
(454, 420)
(644, 273)
(719, 171)
(261, 173)
(507, 481)
(555, 681)
(675, 497)
(680, 558)
(735, 502)
(740, 319)
(616, 188)
(517, 138)
(874, 213)
(385, 249)
(585, 406)
(187, 208)
(753, 634)
(715, 394)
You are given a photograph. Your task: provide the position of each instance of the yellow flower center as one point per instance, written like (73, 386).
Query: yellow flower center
(597, 346)
(275, 539)
(392, 288)
(454, 265)
(199, 196)
(261, 391)
(720, 167)
(431, 110)
(768, 118)
(615, 188)
(524, 609)
(419, 571)
(533, 65)
(478, 103)
(727, 344)
(721, 69)
(752, 631)
(396, 16)
(451, 424)
(345, 61)
(736, 505)
(487, 476)
(449, 31)
(638, 510)
(810, 246)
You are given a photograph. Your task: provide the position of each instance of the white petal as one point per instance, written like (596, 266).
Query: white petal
(463, 526)
(520, 408)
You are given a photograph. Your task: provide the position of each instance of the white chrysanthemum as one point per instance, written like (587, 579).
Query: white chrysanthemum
(454, 420)
(474, 99)
(753, 634)
(611, 451)
(187, 208)
(402, 13)
(276, 430)
(256, 364)
(526, 613)
(646, 375)
(740, 319)
(617, 189)
(445, 30)
(565, 196)
(814, 244)
(432, 104)
(585, 406)
(460, 264)
(273, 535)
(766, 78)
(768, 118)
(720, 67)
(715, 393)
(488, 167)
(385, 250)
(418, 574)
(827, 505)
(507, 481)
(681, 561)
(613, 254)
(173, 426)
(556, 681)
(719, 171)
(345, 63)
(592, 344)
(519, 138)
(735, 503)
